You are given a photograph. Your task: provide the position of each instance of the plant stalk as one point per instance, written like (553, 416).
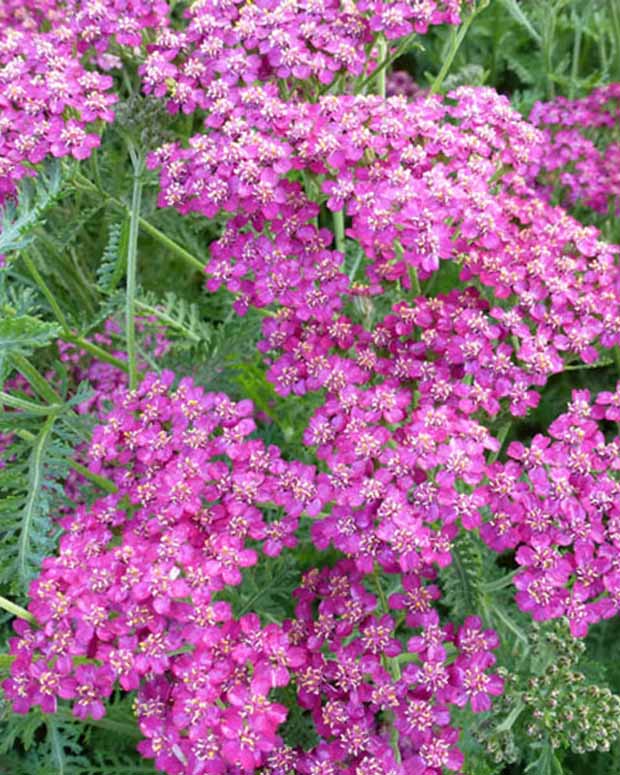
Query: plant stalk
(16, 610)
(132, 267)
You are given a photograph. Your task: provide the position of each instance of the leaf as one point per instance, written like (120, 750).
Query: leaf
(462, 580)
(112, 266)
(515, 10)
(24, 333)
(32, 507)
(35, 199)
(181, 318)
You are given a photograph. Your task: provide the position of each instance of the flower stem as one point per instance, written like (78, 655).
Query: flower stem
(16, 610)
(37, 380)
(147, 227)
(501, 438)
(28, 406)
(100, 481)
(456, 40)
(382, 51)
(93, 349)
(132, 265)
(387, 61)
(393, 668)
(173, 246)
(505, 581)
(67, 335)
(415, 281)
(45, 290)
(339, 231)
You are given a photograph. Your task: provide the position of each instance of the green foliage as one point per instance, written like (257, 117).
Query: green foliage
(60, 744)
(112, 266)
(37, 197)
(182, 320)
(24, 333)
(31, 487)
(461, 581)
(267, 589)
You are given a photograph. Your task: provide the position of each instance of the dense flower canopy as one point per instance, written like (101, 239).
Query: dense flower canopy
(338, 212)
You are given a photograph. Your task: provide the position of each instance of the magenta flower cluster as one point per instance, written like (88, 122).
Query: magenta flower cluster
(225, 45)
(556, 502)
(421, 183)
(405, 392)
(130, 598)
(356, 671)
(584, 169)
(53, 97)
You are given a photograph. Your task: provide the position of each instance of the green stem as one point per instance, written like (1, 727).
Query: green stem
(509, 624)
(93, 349)
(45, 290)
(132, 267)
(34, 484)
(27, 406)
(505, 581)
(415, 281)
(172, 246)
(501, 438)
(38, 382)
(456, 40)
(147, 227)
(599, 365)
(16, 610)
(67, 335)
(386, 63)
(382, 50)
(393, 668)
(510, 719)
(615, 26)
(100, 481)
(576, 54)
(339, 230)
(548, 38)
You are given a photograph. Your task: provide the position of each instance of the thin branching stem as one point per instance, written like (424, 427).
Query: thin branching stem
(132, 267)
(456, 41)
(179, 251)
(338, 216)
(67, 335)
(27, 406)
(37, 457)
(16, 610)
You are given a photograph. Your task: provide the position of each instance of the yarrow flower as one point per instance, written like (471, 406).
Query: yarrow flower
(352, 680)
(133, 588)
(556, 503)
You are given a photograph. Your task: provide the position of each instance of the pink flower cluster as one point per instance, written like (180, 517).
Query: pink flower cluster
(358, 673)
(557, 503)
(52, 99)
(51, 54)
(48, 102)
(225, 45)
(416, 184)
(131, 595)
(583, 158)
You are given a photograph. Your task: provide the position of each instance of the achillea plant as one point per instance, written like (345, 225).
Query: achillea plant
(275, 505)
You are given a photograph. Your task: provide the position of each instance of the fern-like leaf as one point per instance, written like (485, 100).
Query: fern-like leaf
(112, 266)
(24, 333)
(36, 197)
(182, 319)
